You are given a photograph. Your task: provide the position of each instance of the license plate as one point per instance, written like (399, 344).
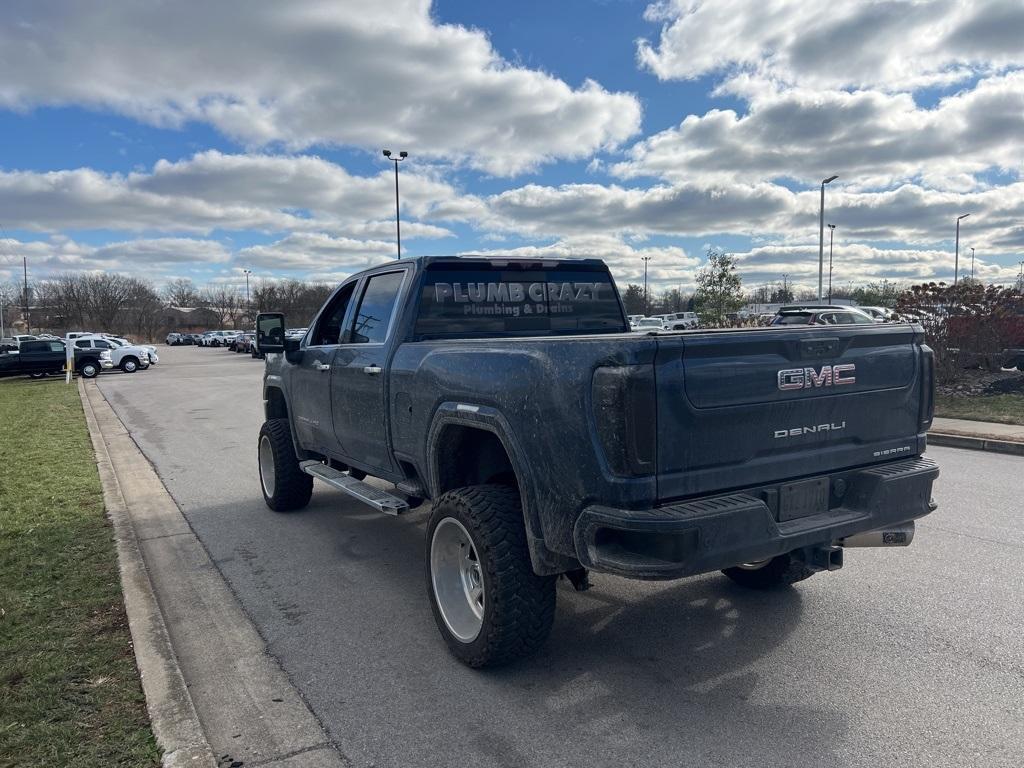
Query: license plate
(803, 498)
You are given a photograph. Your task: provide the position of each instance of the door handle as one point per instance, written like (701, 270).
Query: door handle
(321, 366)
(371, 370)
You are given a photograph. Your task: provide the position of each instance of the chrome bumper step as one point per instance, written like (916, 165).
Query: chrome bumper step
(380, 500)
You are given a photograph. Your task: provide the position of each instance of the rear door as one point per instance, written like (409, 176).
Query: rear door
(358, 381)
(743, 407)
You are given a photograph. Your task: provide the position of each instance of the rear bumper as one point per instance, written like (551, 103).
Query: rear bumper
(707, 534)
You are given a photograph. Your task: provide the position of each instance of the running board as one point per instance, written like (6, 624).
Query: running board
(380, 500)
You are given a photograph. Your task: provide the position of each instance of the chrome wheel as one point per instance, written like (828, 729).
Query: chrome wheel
(89, 370)
(457, 579)
(267, 476)
(129, 366)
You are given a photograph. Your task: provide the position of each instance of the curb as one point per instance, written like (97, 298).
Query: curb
(973, 443)
(171, 711)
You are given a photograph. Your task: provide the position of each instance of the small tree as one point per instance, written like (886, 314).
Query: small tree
(719, 288)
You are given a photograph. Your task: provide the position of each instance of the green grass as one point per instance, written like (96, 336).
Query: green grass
(1005, 409)
(69, 688)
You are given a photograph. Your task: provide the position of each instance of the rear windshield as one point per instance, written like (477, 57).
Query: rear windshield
(471, 300)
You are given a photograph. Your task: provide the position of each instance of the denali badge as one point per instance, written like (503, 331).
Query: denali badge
(828, 376)
(809, 430)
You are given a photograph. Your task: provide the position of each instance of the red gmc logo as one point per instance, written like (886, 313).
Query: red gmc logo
(806, 378)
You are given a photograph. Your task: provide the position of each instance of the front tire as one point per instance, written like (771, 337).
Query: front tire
(489, 605)
(778, 572)
(285, 486)
(130, 365)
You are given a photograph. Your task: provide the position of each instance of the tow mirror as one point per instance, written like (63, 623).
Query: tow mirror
(270, 332)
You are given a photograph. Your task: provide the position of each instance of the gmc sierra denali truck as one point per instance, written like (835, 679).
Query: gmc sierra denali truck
(552, 441)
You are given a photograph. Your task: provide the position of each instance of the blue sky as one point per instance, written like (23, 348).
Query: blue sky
(197, 141)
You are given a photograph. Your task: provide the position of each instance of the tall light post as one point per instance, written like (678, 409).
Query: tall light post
(956, 262)
(248, 272)
(398, 226)
(28, 317)
(831, 234)
(972, 264)
(821, 232)
(646, 303)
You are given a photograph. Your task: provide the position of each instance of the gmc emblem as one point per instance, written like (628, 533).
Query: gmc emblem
(828, 376)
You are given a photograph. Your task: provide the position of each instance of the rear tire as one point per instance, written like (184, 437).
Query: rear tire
(780, 571)
(489, 605)
(89, 369)
(285, 486)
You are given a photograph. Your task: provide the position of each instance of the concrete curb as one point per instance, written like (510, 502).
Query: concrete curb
(975, 443)
(249, 712)
(171, 711)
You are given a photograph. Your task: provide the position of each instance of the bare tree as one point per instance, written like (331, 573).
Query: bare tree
(181, 293)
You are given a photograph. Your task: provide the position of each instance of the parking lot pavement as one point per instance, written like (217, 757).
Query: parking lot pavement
(905, 657)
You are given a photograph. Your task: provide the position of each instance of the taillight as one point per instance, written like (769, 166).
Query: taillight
(927, 386)
(625, 411)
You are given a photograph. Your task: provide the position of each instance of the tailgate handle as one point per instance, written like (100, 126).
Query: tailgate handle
(819, 348)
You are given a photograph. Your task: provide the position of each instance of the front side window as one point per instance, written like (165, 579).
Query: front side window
(83, 344)
(56, 346)
(376, 308)
(328, 327)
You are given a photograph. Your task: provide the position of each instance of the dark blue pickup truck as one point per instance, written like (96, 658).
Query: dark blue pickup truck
(552, 441)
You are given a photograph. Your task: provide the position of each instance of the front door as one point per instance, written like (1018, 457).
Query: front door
(311, 377)
(358, 381)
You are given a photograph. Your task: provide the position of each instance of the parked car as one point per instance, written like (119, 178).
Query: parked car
(821, 316)
(48, 356)
(557, 443)
(681, 321)
(128, 358)
(178, 339)
(149, 348)
(244, 342)
(230, 337)
(645, 324)
(881, 314)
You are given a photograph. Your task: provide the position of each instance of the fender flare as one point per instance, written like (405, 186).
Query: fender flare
(491, 420)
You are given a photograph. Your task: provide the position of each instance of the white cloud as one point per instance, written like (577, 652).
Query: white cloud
(142, 257)
(213, 190)
(368, 73)
(669, 266)
(317, 252)
(871, 139)
(891, 45)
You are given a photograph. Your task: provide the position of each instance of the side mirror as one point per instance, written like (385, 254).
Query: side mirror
(270, 332)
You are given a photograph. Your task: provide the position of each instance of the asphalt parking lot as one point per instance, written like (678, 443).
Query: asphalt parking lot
(905, 657)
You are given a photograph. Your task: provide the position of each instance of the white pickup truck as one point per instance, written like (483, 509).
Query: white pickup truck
(128, 357)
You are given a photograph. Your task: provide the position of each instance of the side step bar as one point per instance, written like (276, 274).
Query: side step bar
(380, 500)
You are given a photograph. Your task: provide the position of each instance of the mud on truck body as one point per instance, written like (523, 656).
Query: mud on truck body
(550, 441)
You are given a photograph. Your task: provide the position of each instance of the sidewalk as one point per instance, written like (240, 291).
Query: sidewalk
(977, 435)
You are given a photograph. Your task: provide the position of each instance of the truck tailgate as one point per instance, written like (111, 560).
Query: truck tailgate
(739, 408)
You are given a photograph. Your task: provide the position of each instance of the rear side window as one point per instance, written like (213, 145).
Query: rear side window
(84, 344)
(376, 307)
(471, 301)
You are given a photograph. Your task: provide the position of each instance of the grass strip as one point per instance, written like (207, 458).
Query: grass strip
(1003, 409)
(69, 689)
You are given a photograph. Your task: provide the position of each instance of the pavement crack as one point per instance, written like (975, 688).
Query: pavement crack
(294, 753)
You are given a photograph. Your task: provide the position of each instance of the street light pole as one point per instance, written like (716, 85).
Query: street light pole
(831, 234)
(972, 264)
(398, 225)
(647, 305)
(821, 232)
(956, 262)
(28, 317)
(248, 272)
